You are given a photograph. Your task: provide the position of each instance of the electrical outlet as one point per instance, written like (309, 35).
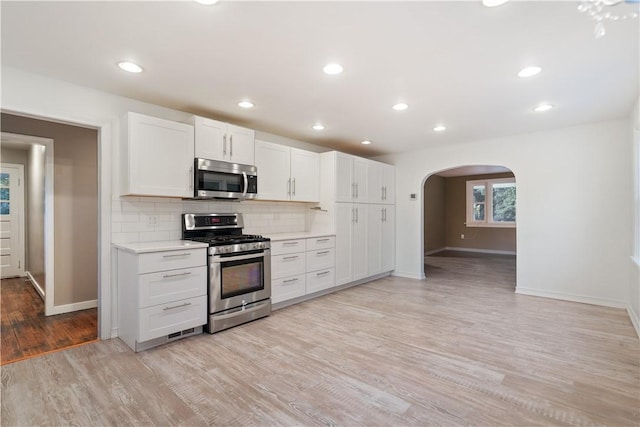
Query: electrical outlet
(152, 219)
(462, 236)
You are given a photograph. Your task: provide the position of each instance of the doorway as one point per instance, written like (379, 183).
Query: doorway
(12, 233)
(61, 249)
(470, 219)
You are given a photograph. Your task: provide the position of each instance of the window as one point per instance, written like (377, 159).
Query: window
(491, 203)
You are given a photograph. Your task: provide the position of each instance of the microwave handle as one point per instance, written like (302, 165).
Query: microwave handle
(246, 184)
(191, 178)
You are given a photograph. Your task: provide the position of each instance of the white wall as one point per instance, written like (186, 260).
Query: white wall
(574, 209)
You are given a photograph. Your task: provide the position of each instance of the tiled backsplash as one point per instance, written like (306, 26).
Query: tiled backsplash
(146, 219)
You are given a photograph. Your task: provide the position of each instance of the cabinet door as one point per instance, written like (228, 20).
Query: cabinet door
(210, 140)
(241, 148)
(360, 249)
(344, 225)
(389, 238)
(375, 216)
(305, 176)
(361, 179)
(374, 185)
(287, 288)
(160, 160)
(345, 189)
(388, 178)
(273, 161)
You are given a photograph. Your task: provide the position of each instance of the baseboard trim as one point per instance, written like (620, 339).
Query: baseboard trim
(434, 251)
(571, 297)
(480, 251)
(634, 319)
(76, 306)
(407, 275)
(36, 285)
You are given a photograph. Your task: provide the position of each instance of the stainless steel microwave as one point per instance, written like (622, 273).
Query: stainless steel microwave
(223, 180)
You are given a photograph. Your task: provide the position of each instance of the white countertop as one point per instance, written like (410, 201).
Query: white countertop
(168, 245)
(299, 235)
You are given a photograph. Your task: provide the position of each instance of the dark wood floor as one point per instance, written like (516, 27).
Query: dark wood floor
(26, 332)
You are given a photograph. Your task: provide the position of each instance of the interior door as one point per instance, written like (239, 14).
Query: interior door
(11, 220)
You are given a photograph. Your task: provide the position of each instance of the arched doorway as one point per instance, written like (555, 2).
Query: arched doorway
(469, 223)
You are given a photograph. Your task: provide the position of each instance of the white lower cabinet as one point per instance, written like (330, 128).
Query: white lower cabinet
(352, 248)
(301, 267)
(380, 239)
(161, 295)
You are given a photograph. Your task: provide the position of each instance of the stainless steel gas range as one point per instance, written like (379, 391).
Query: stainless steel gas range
(239, 269)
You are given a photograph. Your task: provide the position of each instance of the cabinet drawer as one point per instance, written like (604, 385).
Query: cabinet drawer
(319, 280)
(287, 265)
(173, 285)
(165, 319)
(320, 259)
(287, 247)
(171, 260)
(321, 243)
(287, 288)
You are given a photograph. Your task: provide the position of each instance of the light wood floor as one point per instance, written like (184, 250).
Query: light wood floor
(27, 332)
(457, 349)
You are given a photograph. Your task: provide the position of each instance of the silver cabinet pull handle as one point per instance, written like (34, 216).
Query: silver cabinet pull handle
(176, 255)
(293, 186)
(224, 145)
(323, 240)
(322, 273)
(186, 273)
(289, 187)
(295, 279)
(290, 257)
(323, 252)
(231, 146)
(357, 190)
(353, 190)
(290, 243)
(176, 306)
(357, 215)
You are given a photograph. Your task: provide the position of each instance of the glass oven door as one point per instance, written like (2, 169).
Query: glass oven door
(241, 276)
(239, 279)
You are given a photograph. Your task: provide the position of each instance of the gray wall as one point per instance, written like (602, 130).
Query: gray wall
(75, 205)
(445, 217)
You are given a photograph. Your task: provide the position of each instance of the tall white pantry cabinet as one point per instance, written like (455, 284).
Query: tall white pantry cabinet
(360, 199)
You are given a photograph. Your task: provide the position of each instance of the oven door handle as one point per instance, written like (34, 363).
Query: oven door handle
(219, 258)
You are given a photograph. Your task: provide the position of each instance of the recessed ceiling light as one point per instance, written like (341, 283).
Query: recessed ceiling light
(367, 142)
(245, 104)
(130, 67)
(332, 69)
(400, 107)
(440, 128)
(207, 2)
(529, 71)
(318, 126)
(493, 3)
(543, 107)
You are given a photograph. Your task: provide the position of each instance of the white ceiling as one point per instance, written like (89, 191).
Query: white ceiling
(452, 62)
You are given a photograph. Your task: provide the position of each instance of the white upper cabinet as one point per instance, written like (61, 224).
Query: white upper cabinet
(305, 176)
(352, 178)
(274, 171)
(388, 183)
(286, 173)
(156, 157)
(381, 183)
(216, 140)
